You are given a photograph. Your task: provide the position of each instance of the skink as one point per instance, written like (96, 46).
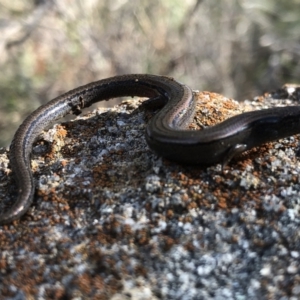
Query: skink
(166, 133)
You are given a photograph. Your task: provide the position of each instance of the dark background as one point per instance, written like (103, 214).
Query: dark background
(238, 48)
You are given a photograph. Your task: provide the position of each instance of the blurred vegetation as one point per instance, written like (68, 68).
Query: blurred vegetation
(239, 48)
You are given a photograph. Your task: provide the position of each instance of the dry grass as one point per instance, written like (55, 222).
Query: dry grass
(238, 48)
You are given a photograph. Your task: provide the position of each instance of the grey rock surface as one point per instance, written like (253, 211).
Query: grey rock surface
(111, 220)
